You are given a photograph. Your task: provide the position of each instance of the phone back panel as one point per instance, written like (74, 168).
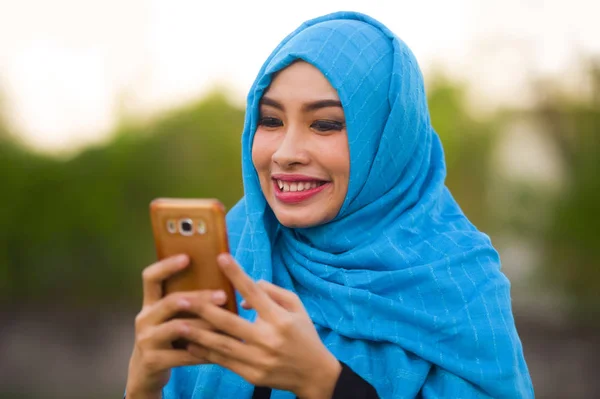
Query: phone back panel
(195, 227)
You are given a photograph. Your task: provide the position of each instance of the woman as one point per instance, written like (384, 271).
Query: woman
(371, 278)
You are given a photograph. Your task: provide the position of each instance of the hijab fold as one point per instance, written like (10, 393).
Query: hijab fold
(400, 285)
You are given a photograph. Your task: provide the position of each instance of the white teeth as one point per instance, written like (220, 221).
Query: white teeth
(296, 186)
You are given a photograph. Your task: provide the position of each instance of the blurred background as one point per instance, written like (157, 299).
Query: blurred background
(105, 105)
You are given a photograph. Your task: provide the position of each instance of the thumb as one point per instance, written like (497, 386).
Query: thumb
(284, 298)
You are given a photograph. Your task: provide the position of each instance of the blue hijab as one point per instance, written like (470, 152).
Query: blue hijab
(400, 285)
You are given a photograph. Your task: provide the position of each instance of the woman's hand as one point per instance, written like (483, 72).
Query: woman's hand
(281, 349)
(155, 329)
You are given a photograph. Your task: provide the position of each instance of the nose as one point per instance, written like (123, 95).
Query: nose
(292, 148)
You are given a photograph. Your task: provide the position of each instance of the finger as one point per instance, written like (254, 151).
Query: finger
(225, 321)
(164, 334)
(253, 295)
(164, 359)
(245, 305)
(154, 275)
(164, 310)
(250, 373)
(225, 345)
(199, 324)
(174, 303)
(284, 298)
(197, 351)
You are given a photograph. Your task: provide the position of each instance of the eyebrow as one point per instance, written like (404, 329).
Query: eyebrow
(312, 106)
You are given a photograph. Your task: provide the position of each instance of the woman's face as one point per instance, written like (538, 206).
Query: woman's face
(300, 149)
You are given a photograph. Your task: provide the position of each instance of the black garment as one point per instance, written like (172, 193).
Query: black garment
(348, 386)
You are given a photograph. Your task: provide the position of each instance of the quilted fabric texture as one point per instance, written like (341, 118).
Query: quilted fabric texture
(400, 285)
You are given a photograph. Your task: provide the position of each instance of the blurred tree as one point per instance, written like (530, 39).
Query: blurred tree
(571, 260)
(468, 144)
(77, 231)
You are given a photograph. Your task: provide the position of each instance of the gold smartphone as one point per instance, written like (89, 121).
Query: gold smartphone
(195, 227)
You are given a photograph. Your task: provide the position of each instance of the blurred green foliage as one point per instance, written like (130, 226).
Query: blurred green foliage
(468, 146)
(76, 231)
(571, 258)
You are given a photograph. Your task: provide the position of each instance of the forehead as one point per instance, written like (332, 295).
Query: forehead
(300, 81)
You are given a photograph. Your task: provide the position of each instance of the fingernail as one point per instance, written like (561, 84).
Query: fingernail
(184, 303)
(219, 297)
(185, 328)
(224, 259)
(182, 259)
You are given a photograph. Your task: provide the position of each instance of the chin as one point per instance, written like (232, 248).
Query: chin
(295, 223)
(298, 219)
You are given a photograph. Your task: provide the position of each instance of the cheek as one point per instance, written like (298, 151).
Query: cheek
(261, 154)
(337, 158)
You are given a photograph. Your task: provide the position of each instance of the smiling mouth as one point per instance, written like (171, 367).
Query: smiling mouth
(297, 186)
(298, 191)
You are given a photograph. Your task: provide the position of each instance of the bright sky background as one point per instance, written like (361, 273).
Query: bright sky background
(68, 66)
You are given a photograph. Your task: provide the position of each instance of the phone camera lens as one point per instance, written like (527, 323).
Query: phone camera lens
(171, 226)
(186, 227)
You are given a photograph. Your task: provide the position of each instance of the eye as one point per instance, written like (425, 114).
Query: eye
(270, 122)
(327, 125)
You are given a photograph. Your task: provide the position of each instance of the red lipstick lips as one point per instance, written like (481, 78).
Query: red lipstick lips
(285, 195)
